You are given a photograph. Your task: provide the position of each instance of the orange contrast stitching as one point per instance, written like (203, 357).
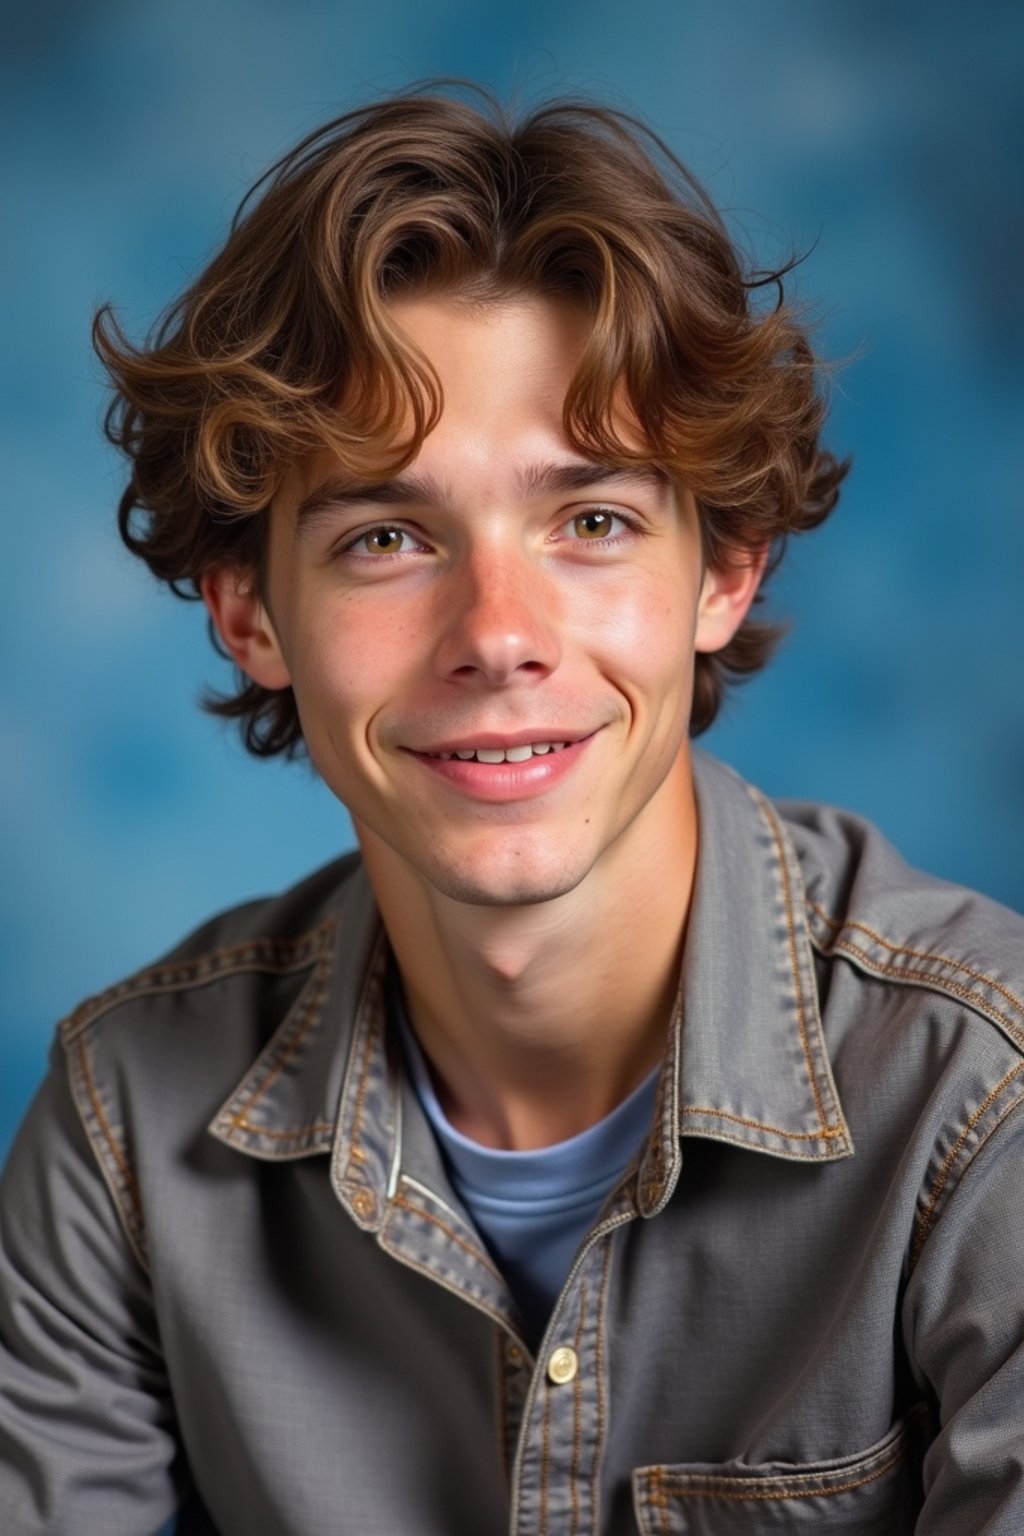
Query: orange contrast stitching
(474, 1253)
(131, 1184)
(214, 961)
(373, 979)
(317, 1128)
(317, 989)
(577, 1430)
(423, 1269)
(935, 983)
(725, 1488)
(827, 1133)
(922, 954)
(744, 1141)
(661, 1501)
(791, 945)
(599, 1354)
(942, 1177)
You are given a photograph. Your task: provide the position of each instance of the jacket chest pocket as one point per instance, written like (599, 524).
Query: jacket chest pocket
(873, 1493)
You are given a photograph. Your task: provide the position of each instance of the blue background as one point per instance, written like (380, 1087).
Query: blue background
(887, 136)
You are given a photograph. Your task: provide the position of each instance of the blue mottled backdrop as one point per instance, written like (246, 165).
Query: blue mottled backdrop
(888, 137)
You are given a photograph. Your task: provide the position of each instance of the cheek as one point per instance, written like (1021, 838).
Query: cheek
(646, 626)
(350, 660)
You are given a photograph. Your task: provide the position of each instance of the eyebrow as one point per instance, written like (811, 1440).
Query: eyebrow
(418, 489)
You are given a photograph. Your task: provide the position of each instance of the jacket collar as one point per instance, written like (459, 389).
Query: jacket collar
(747, 1062)
(286, 1104)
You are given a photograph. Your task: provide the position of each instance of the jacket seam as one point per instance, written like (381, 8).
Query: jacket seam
(577, 1418)
(926, 978)
(317, 986)
(545, 1459)
(239, 1122)
(927, 1220)
(798, 1486)
(127, 1201)
(714, 1134)
(371, 1021)
(657, 1165)
(660, 1501)
(798, 985)
(602, 1405)
(725, 1488)
(474, 1253)
(355, 1152)
(827, 1133)
(481, 1304)
(935, 984)
(277, 955)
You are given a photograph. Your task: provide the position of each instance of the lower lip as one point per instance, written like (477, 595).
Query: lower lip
(497, 782)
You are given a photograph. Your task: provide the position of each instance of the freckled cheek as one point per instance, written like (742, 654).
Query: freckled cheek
(351, 665)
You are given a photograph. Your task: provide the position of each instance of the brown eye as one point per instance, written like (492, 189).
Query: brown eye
(593, 524)
(383, 541)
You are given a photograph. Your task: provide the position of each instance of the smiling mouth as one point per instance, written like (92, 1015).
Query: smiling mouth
(521, 754)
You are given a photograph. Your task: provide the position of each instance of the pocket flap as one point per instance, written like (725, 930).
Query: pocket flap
(872, 1493)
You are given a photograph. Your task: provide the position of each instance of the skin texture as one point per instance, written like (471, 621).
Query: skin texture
(537, 911)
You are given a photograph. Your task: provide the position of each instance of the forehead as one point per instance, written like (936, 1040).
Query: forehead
(527, 343)
(503, 369)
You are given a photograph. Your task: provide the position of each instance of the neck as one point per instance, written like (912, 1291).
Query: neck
(536, 1021)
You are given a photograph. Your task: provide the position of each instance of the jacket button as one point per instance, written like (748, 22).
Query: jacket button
(563, 1365)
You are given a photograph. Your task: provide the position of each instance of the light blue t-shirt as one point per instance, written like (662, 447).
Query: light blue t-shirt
(533, 1209)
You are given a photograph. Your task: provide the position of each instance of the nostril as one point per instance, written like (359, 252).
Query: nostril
(484, 646)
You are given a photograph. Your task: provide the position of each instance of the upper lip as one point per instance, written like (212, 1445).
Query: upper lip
(494, 741)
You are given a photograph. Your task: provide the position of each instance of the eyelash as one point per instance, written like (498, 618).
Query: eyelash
(350, 546)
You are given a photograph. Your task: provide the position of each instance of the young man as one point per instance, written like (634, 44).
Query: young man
(602, 1148)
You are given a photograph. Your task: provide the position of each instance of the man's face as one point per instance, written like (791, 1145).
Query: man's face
(502, 597)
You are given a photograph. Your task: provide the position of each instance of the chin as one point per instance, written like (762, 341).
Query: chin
(512, 887)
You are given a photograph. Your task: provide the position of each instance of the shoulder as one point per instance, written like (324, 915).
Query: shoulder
(923, 1002)
(172, 1040)
(867, 906)
(858, 902)
(152, 1061)
(271, 935)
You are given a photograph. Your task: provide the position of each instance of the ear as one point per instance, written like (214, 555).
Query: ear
(725, 599)
(244, 625)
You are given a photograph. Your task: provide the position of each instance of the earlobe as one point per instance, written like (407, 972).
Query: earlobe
(244, 625)
(725, 600)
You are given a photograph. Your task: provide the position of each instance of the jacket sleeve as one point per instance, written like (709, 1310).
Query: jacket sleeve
(87, 1436)
(964, 1323)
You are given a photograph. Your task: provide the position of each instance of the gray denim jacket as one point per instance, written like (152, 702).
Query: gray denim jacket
(235, 1275)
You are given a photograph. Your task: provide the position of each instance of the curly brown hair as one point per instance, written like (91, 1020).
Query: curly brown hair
(426, 193)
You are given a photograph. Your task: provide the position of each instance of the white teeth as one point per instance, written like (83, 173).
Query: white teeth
(520, 754)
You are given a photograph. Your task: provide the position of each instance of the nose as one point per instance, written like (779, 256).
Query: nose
(501, 616)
